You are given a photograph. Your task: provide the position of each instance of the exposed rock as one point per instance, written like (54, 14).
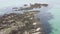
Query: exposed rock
(32, 6)
(19, 23)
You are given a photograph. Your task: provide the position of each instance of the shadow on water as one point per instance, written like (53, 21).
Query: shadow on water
(44, 18)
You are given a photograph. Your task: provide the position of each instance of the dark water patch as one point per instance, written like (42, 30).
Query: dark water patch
(44, 18)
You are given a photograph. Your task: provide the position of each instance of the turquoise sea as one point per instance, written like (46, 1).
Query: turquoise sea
(56, 21)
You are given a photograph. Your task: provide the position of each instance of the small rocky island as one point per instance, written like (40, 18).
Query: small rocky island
(25, 23)
(30, 7)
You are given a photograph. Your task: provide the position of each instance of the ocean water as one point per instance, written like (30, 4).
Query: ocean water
(56, 21)
(50, 17)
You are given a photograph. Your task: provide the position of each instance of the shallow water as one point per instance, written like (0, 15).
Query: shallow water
(56, 21)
